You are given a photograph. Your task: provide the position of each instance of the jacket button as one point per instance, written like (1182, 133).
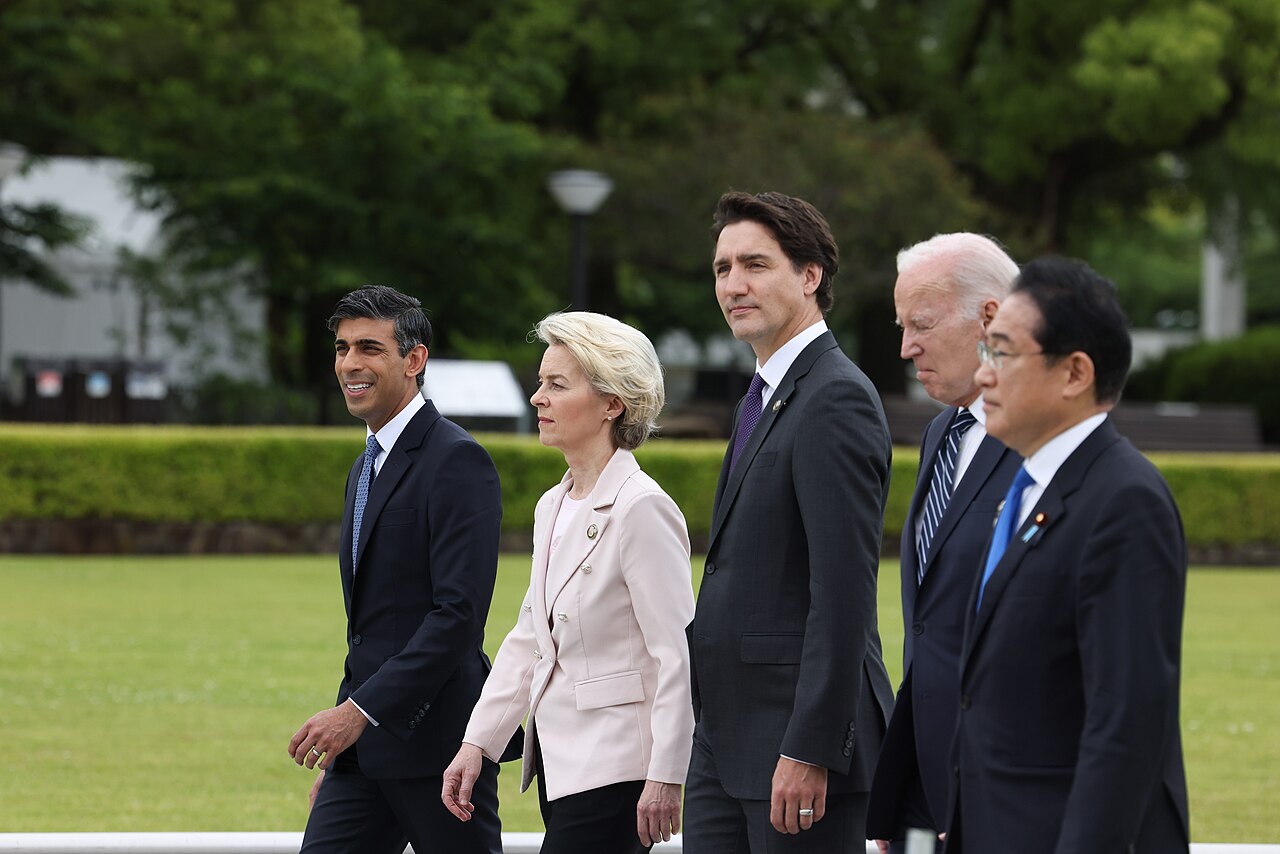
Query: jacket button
(537, 653)
(562, 617)
(964, 702)
(527, 607)
(710, 568)
(356, 640)
(852, 726)
(586, 568)
(413, 724)
(917, 628)
(847, 751)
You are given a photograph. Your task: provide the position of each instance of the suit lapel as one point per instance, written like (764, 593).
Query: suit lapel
(732, 481)
(1052, 506)
(934, 436)
(398, 461)
(586, 528)
(984, 463)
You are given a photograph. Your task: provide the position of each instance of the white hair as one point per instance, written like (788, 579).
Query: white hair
(618, 360)
(979, 267)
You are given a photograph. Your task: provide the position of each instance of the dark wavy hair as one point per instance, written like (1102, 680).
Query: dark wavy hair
(379, 302)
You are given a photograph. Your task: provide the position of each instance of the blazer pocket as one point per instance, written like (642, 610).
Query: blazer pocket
(614, 690)
(393, 518)
(772, 648)
(764, 460)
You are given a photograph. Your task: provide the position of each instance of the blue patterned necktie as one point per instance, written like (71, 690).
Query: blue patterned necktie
(371, 451)
(752, 406)
(941, 487)
(1005, 526)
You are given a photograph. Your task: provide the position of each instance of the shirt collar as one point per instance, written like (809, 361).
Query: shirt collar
(781, 361)
(391, 431)
(1044, 463)
(979, 410)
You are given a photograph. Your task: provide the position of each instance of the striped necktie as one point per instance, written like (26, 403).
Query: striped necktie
(371, 451)
(941, 487)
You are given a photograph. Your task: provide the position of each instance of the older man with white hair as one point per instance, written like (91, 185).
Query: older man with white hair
(949, 288)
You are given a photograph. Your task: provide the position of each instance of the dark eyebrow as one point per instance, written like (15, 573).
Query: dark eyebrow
(742, 259)
(999, 336)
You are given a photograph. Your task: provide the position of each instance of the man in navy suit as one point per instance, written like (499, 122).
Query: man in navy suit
(949, 288)
(418, 561)
(1068, 739)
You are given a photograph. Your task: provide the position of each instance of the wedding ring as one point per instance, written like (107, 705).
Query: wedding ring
(806, 812)
(318, 753)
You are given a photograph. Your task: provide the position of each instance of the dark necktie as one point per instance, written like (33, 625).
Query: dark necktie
(1005, 526)
(748, 418)
(941, 487)
(371, 451)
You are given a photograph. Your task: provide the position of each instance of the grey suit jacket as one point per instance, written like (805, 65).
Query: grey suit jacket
(785, 646)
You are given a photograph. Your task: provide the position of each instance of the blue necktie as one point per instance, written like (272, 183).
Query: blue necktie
(1005, 526)
(371, 451)
(752, 406)
(941, 487)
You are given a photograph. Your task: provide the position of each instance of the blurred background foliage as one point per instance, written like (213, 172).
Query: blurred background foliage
(308, 146)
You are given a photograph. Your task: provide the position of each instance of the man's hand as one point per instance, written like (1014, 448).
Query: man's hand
(796, 787)
(883, 845)
(326, 734)
(315, 790)
(459, 778)
(658, 812)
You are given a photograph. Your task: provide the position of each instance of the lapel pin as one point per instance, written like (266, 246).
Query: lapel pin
(1040, 518)
(777, 404)
(592, 530)
(1031, 532)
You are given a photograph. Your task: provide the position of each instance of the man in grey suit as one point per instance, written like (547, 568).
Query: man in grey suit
(790, 690)
(949, 288)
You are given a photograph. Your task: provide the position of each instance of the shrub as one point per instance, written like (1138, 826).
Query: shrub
(1241, 370)
(296, 475)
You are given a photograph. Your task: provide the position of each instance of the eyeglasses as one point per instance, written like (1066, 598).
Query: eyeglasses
(995, 358)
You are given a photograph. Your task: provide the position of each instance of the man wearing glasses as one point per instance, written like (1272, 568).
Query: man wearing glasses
(1068, 736)
(949, 288)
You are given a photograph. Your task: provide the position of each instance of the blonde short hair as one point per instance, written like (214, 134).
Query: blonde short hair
(618, 360)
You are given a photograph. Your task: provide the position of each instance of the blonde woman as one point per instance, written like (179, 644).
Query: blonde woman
(598, 661)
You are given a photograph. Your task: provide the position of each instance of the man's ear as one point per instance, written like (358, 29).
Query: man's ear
(988, 312)
(812, 277)
(416, 360)
(1080, 376)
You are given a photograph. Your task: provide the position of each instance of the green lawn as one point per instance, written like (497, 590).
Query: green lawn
(159, 694)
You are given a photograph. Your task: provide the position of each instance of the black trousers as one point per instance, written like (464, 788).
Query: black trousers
(356, 815)
(597, 821)
(717, 823)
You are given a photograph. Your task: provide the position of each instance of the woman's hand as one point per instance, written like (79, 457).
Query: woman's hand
(657, 812)
(459, 777)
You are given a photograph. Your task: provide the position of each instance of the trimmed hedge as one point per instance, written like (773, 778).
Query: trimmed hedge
(296, 475)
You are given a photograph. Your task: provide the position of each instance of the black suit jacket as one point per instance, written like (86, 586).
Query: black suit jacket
(785, 647)
(419, 596)
(918, 742)
(1068, 739)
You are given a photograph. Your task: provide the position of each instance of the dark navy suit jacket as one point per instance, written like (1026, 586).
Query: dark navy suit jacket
(918, 743)
(417, 603)
(1068, 740)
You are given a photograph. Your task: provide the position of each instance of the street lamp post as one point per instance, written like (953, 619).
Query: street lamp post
(580, 193)
(12, 157)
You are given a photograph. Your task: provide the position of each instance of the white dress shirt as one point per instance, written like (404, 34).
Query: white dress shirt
(387, 438)
(773, 371)
(1044, 463)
